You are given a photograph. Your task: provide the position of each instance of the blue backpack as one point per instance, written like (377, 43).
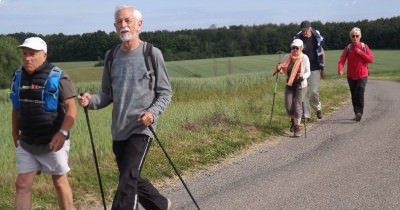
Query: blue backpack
(50, 93)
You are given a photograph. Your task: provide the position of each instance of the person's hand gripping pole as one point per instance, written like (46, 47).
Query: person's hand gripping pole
(84, 100)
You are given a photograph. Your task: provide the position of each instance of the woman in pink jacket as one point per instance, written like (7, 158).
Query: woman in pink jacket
(358, 56)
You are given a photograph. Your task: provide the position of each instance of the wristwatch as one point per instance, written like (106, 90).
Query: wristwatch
(64, 133)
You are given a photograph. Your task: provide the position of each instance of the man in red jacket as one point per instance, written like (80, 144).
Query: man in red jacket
(358, 56)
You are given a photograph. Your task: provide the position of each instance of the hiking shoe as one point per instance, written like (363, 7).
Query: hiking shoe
(358, 117)
(319, 114)
(297, 131)
(168, 203)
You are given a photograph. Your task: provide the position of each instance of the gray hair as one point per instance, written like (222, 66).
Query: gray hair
(136, 13)
(355, 30)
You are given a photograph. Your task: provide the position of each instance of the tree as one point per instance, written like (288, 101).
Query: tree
(9, 59)
(213, 42)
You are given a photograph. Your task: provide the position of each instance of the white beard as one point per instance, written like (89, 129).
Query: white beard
(126, 37)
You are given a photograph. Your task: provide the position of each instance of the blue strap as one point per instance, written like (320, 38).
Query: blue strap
(15, 86)
(51, 91)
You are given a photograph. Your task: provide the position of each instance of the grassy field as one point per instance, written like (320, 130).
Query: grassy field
(385, 66)
(220, 106)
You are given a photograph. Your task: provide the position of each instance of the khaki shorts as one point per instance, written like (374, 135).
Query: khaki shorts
(54, 163)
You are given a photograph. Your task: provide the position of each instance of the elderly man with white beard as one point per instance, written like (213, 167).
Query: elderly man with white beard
(139, 96)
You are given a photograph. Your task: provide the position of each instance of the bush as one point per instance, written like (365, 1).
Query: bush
(9, 59)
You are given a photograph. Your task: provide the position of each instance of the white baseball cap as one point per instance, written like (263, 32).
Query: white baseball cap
(35, 43)
(297, 43)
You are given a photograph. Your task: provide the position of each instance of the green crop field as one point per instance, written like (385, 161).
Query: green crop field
(220, 106)
(386, 61)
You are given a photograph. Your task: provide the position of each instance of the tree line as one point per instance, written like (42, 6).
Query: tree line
(229, 41)
(383, 33)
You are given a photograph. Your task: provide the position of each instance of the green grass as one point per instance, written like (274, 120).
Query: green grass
(215, 112)
(82, 71)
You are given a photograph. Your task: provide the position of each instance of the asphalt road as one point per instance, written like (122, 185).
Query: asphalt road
(342, 164)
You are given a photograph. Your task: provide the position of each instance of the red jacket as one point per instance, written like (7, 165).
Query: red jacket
(357, 63)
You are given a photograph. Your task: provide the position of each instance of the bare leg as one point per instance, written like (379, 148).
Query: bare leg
(23, 185)
(64, 192)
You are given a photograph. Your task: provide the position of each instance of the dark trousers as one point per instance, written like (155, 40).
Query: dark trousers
(357, 90)
(130, 155)
(293, 105)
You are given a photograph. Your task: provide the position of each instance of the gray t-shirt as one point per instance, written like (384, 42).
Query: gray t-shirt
(133, 90)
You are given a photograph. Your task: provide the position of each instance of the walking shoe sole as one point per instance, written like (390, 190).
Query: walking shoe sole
(319, 114)
(169, 204)
(358, 117)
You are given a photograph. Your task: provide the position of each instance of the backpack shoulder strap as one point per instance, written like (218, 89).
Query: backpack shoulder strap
(16, 79)
(110, 57)
(108, 61)
(51, 91)
(148, 52)
(363, 47)
(54, 76)
(55, 71)
(348, 49)
(17, 76)
(15, 87)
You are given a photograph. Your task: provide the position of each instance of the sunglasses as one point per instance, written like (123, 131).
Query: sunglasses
(355, 36)
(295, 48)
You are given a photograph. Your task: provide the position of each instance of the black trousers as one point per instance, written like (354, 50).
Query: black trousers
(357, 90)
(130, 155)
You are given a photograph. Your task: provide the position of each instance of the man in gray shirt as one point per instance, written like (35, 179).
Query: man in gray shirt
(139, 97)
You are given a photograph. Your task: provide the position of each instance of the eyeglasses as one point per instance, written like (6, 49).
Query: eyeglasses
(355, 36)
(126, 20)
(295, 48)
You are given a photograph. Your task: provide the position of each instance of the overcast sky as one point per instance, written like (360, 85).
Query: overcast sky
(86, 16)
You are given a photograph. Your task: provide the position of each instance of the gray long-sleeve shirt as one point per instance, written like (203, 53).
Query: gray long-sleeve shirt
(128, 86)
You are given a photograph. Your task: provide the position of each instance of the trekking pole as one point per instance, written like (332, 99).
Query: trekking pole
(280, 59)
(281, 54)
(303, 115)
(273, 98)
(173, 166)
(95, 157)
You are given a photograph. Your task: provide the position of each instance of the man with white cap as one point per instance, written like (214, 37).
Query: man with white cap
(43, 112)
(296, 65)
